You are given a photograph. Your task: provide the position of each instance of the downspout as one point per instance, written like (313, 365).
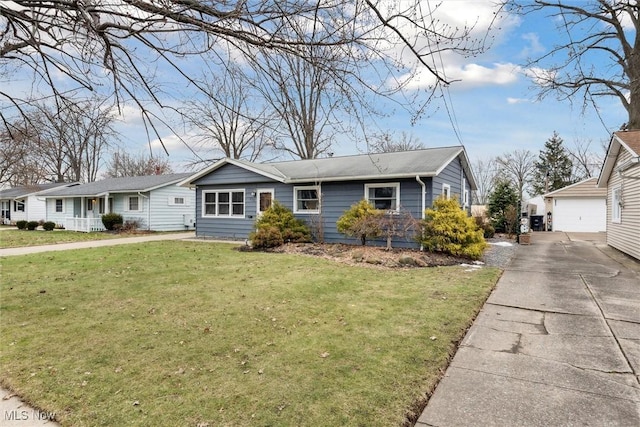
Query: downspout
(424, 194)
(148, 210)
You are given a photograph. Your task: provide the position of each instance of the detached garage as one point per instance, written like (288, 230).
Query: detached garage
(581, 207)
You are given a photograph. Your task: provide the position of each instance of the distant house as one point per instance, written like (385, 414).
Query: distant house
(155, 202)
(231, 194)
(620, 178)
(579, 207)
(26, 202)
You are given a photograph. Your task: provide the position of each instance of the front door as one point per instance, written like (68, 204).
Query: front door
(264, 199)
(5, 210)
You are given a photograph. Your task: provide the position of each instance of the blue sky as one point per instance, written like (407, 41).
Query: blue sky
(492, 109)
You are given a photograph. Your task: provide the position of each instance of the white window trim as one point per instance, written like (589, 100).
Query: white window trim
(448, 192)
(128, 204)
(55, 206)
(230, 191)
(616, 206)
(171, 201)
(17, 203)
(295, 200)
(384, 184)
(264, 190)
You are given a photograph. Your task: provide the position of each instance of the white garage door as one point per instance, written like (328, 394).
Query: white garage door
(579, 215)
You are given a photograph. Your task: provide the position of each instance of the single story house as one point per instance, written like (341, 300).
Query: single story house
(231, 194)
(620, 178)
(155, 202)
(580, 207)
(26, 202)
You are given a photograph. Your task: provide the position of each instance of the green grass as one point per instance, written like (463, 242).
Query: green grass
(20, 238)
(182, 333)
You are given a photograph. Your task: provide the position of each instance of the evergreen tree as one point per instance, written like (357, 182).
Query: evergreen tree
(553, 169)
(502, 199)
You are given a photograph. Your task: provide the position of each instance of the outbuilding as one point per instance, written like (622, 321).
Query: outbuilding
(580, 207)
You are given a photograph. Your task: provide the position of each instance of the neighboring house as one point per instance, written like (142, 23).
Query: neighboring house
(155, 202)
(231, 193)
(580, 207)
(26, 202)
(620, 178)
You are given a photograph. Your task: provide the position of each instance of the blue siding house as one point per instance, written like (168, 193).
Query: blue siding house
(231, 194)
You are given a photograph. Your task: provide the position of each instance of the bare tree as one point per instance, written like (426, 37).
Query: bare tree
(118, 47)
(595, 33)
(517, 167)
(386, 143)
(65, 142)
(18, 164)
(586, 162)
(303, 94)
(230, 121)
(485, 172)
(123, 164)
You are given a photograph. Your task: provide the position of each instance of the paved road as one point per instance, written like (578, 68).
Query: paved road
(556, 344)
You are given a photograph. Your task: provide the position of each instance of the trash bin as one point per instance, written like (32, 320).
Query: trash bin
(536, 222)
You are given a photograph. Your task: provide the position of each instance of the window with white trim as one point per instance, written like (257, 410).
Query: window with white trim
(616, 204)
(59, 206)
(90, 204)
(133, 203)
(306, 199)
(384, 196)
(101, 206)
(177, 201)
(221, 203)
(446, 191)
(18, 206)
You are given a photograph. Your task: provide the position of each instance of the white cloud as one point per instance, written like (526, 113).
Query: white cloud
(534, 46)
(465, 76)
(517, 100)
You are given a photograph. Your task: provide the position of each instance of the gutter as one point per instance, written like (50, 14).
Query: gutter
(424, 193)
(148, 210)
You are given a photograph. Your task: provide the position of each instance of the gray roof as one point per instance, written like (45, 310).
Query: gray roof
(130, 184)
(401, 164)
(26, 190)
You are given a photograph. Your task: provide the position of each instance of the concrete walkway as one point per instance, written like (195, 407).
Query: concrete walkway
(556, 344)
(94, 243)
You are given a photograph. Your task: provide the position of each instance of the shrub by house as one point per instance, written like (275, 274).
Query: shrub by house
(447, 228)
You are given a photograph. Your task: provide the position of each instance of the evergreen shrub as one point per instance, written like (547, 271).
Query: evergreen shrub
(112, 221)
(276, 226)
(447, 228)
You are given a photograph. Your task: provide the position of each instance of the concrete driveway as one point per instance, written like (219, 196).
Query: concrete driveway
(556, 344)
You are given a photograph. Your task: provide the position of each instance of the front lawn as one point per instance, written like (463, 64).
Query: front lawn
(21, 238)
(194, 333)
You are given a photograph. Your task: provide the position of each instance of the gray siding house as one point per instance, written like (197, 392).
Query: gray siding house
(154, 201)
(231, 194)
(620, 176)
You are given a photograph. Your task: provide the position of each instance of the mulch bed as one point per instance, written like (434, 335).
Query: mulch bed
(371, 256)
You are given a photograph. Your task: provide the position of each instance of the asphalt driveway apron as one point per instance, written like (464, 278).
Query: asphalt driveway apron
(556, 344)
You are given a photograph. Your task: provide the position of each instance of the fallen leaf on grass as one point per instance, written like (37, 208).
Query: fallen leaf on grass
(325, 354)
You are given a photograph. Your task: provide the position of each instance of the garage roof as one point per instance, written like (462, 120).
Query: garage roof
(583, 189)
